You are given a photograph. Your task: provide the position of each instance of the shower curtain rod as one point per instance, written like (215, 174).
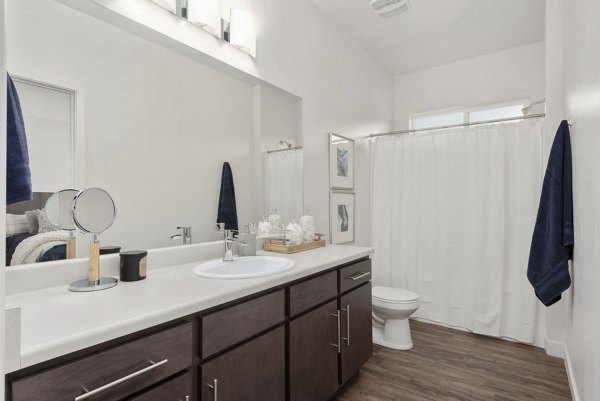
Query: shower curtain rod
(283, 150)
(498, 120)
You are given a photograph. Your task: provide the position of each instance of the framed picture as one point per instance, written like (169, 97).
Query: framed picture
(341, 162)
(341, 217)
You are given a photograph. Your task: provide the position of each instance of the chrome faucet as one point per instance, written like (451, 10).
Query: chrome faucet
(186, 235)
(229, 241)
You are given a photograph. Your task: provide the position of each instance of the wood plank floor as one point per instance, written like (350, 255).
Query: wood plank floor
(447, 364)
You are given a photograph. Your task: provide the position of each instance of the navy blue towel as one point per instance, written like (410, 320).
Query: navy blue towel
(18, 174)
(227, 209)
(553, 240)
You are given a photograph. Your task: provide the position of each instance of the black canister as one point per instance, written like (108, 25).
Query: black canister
(133, 265)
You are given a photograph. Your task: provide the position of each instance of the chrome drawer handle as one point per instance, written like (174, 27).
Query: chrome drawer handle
(215, 388)
(358, 276)
(94, 392)
(347, 310)
(339, 332)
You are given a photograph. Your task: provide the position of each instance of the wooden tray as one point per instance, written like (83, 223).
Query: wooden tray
(280, 248)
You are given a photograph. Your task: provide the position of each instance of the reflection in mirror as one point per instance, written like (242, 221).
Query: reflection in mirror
(154, 138)
(283, 183)
(58, 211)
(49, 119)
(48, 114)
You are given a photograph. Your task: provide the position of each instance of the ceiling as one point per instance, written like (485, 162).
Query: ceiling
(437, 32)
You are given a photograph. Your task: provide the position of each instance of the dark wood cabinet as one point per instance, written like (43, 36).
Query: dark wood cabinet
(297, 342)
(357, 332)
(254, 371)
(313, 354)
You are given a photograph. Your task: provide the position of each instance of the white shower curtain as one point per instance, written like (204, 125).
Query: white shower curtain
(284, 183)
(453, 215)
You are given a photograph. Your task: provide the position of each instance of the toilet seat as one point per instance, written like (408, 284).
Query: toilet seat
(391, 295)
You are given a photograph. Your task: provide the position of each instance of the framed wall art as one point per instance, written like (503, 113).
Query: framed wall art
(342, 217)
(341, 162)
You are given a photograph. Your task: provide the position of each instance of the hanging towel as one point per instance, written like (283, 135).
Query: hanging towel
(18, 174)
(227, 210)
(553, 240)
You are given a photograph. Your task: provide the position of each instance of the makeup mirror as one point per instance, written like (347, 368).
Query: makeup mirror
(58, 211)
(93, 212)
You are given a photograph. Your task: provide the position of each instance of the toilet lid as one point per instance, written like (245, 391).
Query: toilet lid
(394, 295)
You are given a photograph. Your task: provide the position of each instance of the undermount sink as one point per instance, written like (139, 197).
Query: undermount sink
(244, 267)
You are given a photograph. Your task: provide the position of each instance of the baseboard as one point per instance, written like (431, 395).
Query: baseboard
(554, 348)
(571, 375)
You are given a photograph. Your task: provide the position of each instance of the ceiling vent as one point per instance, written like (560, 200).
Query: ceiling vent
(387, 8)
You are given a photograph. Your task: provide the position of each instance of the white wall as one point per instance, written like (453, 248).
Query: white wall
(555, 108)
(582, 96)
(504, 76)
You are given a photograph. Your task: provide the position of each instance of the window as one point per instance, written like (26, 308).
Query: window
(496, 113)
(490, 112)
(437, 120)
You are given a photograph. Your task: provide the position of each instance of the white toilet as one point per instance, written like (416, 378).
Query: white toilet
(391, 309)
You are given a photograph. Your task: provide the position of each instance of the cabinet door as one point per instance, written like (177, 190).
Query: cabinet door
(178, 389)
(357, 332)
(254, 371)
(313, 355)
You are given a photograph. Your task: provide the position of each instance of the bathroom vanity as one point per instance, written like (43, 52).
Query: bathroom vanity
(297, 336)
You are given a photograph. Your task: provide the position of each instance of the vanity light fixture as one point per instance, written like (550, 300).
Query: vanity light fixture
(206, 14)
(242, 31)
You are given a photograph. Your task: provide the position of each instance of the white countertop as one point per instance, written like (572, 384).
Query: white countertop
(55, 321)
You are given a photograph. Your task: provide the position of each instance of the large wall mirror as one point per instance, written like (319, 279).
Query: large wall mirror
(158, 128)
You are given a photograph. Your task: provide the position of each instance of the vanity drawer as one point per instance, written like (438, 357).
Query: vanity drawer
(222, 329)
(112, 374)
(355, 275)
(312, 292)
(178, 389)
